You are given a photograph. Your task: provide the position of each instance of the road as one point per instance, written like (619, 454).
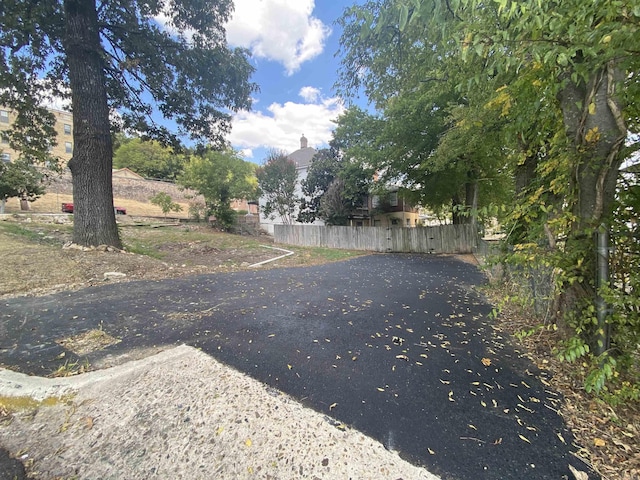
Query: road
(400, 347)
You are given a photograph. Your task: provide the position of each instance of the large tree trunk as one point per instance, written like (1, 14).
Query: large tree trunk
(596, 129)
(94, 216)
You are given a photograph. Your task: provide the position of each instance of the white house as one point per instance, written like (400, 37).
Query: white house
(302, 158)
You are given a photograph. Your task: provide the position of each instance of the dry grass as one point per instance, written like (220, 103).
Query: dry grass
(51, 203)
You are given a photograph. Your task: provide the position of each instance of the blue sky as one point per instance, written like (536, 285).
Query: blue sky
(293, 43)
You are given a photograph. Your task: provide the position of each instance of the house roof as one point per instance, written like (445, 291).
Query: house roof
(125, 173)
(303, 156)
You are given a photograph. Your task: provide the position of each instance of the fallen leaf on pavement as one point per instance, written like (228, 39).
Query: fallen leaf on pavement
(578, 474)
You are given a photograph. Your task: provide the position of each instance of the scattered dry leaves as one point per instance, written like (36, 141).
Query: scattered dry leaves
(609, 437)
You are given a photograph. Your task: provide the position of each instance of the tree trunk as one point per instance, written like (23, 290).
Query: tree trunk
(596, 130)
(94, 216)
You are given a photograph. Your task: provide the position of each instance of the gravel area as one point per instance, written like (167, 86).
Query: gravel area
(181, 414)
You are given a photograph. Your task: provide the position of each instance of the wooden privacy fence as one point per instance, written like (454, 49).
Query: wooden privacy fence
(440, 239)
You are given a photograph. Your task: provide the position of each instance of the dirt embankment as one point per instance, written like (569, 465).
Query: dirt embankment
(140, 190)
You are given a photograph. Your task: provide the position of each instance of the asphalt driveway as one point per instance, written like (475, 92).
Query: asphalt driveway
(398, 346)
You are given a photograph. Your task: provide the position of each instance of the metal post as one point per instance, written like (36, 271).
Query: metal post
(602, 279)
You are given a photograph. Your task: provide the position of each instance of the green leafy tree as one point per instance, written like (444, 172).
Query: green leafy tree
(118, 56)
(149, 159)
(166, 203)
(277, 180)
(322, 173)
(334, 208)
(350, 163)
(20, 179)
(561, 74)
(220, 176)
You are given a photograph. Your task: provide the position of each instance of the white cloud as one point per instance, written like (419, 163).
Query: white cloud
(282, 125)
(280, 30)
(246, 153)
(310, 94)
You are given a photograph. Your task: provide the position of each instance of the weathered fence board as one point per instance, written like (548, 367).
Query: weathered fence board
(440, 239)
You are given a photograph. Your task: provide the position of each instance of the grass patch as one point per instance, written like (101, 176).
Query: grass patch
(142, 249)
(41, 233)
(17, 404)
(333, 254)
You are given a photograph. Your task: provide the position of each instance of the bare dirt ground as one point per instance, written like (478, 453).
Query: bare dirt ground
(35, 263)
(39, 258)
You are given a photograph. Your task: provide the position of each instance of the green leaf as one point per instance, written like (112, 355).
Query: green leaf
(404, 17)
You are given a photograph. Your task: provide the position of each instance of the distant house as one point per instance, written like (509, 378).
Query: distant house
(125, 173)
(392, 210)
(377, 210)
(302, 158)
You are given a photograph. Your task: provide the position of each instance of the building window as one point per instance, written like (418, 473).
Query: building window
(394, 221)
(393, 199)
(4, 139)
(68, 147)
(375, 201)
(5, 157)
(67, 129)
(4, 116)
(408, 222)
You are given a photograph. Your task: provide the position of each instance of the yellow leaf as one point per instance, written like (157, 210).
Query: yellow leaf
(598, 442)
(472, 426)
(592, 108)
(332, 406)
(354, 358)
(219, 430)
(486, 362)
(431, 452)
(248, 442)
(593, 135)
(272, 335)
(524, 439)
(380, 389)
(289, 366)
(606, 39)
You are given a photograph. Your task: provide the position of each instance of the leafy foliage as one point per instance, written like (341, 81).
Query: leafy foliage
(149, 159)
(165, 202)
(277, 180)
(20, 179)
(535, 100)
(138, 58)
(220, 176)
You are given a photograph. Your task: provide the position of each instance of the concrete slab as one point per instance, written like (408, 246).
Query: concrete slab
(182, 414)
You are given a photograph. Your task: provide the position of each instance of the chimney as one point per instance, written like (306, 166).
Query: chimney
(303, 141)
